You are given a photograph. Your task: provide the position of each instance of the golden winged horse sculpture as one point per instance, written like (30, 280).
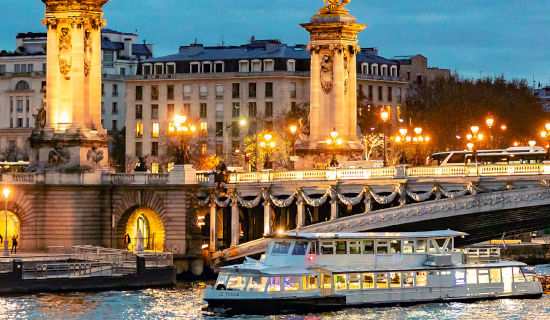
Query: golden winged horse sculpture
(335, 3)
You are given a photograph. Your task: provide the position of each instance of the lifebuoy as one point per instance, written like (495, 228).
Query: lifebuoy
(221, 286)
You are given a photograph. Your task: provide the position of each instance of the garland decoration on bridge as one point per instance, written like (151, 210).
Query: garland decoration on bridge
(319, 201)
(419, 197)
(384, 199)
(249, 203)
(204, 203)
(283, 203)
(222, 204)
(355, 200)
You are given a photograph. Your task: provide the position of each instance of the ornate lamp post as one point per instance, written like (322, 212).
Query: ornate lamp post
(490, 121)
(6, 195)
(545, 134)
(416, 140)
(182, 129)
(384, 115)
(268, 145)
(334, 142)
(293, 130)
(242, 123)
(474, 137)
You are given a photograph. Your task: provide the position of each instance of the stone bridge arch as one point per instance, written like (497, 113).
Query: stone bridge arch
(21, 206)
(144, 210)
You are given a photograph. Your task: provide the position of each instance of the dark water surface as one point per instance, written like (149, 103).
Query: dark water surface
(185, 302)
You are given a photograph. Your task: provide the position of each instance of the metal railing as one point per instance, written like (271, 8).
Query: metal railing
(397, 172)
(481, 255)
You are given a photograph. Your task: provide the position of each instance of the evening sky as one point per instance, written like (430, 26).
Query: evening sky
(474, 37)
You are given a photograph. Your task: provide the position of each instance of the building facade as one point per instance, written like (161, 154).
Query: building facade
(217, 87)
(415, 70)
(23, 84)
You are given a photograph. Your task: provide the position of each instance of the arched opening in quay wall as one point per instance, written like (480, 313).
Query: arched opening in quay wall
(143, 225)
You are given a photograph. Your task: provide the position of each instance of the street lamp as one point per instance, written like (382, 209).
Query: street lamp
(268, 145)
(384, 115)
(334, 142)
(6, 195)
(416, 140)
(182, 129)
(241, 122)
(474, 137)
(545, 134)
(293, 130)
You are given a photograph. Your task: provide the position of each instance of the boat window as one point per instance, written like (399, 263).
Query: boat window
(518, 275)
(236, 283)
(274, 284)
(408, 246)
(327, 247)
(313, 248)
(222, 278)
(460, 278)
(310, 282)
(368, 246)
(471, 276)
(381, 280)
(382, 247)
(354, 247)
(368, 280)
(281, 247)
(300, 248)
(483, 276)
(431, 247)
(257, 284)
(292, 284)
(441, 243)
(395, 246)
(326, 282)
(495, 275)
(420, 245)
(340, 282)
(341, 247)
(408, 279)
(395, 279)
(421, 279)
(355, 281)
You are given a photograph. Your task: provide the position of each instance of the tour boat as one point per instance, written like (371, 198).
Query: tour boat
(319, 271)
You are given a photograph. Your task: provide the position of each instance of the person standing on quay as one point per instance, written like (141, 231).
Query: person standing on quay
(14, 244)
(126, 241)
(1, 239)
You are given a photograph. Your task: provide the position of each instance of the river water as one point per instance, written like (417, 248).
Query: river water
(185, 302)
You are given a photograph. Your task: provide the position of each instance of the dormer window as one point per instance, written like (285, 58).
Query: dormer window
(374, 69)
(365, 68)
(269, 65)
(256, 66)
(147, 69)
(170, 68)
(159, 68)
(384, 70)
(218, 66)
(291, 65)
(394, 71)
(195, 67)
(207, 67)
(244, 66)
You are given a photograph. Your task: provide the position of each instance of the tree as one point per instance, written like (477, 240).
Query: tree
(447, 107)
(368, 114)
(117, 155)
(372, 142)
(13, 154)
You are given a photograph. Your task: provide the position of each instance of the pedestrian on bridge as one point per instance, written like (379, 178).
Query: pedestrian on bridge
(14, 244)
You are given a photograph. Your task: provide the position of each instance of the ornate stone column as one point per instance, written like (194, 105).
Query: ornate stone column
(213, 228)
(235, 230)
(300, 216)
(267, 218)
(333, 96)
(68, 132)
(333, 209)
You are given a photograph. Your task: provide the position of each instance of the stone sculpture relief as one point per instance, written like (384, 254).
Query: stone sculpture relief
(326, 73)
(58, 156)
(95, 155)
(65, 56)
(87, 52)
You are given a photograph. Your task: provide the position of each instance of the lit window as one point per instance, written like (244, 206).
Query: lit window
(155, 167)
(309, 283)
(155, 130)
(340, 282)
(204, 149)
(355, 281)
(203, 127)
(368, 280)
(139, 130)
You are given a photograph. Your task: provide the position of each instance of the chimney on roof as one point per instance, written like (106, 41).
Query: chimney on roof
(128, 47)
(252, 39)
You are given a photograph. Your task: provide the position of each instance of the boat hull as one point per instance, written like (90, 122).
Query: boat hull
(326, 303)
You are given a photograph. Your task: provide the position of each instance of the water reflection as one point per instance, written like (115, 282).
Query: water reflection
(185, 302)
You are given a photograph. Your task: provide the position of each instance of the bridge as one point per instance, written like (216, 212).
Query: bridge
(482, 200)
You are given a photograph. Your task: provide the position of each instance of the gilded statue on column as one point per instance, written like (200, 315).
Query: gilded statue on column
(332, 4)
(65, 57)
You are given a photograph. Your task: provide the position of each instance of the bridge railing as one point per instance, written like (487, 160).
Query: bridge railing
(397, 172)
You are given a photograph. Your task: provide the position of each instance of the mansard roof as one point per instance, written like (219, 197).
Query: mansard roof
(256, 49)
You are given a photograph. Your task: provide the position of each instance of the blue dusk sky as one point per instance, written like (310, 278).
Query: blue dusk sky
(474, 37)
